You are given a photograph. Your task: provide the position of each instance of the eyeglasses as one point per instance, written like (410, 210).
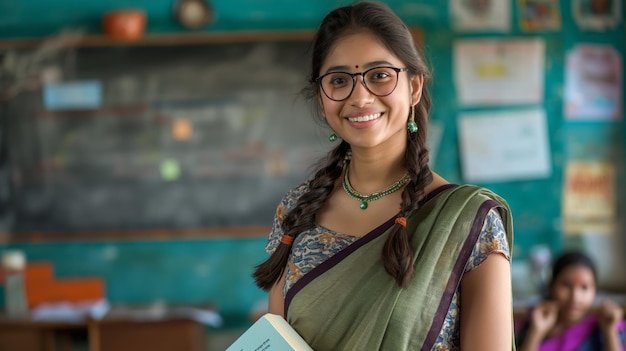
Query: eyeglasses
(380, 81)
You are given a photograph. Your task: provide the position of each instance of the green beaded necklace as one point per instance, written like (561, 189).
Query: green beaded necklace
(373, 196)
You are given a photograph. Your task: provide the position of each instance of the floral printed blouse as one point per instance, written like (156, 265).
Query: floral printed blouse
(316, 245)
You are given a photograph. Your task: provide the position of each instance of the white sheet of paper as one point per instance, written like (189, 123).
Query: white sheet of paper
(480, 15)
(504, 145)
(499, 71)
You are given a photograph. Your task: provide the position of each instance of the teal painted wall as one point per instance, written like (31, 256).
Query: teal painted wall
(219, 269)
(197, 272)
(33, 18)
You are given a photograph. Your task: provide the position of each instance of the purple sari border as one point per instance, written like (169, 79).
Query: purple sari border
(457, 273)
(438, 191)
(334, 260)
(338, 257)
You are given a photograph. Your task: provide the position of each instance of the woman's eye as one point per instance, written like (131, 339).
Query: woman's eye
(338, 81)
(380, 75)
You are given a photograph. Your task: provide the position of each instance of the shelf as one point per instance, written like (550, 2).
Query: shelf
(165, 39)
(242, 232)
(195, 38)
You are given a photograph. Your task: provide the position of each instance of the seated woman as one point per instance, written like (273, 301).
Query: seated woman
(567, 320)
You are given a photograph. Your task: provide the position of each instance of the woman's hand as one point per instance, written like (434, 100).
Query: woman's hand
(543, 317)
(610, 315)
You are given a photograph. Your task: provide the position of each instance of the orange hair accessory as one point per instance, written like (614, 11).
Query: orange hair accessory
(287, 239)
(401, 221)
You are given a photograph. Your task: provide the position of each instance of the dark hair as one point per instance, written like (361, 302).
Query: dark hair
(397, 255)
(572, 259)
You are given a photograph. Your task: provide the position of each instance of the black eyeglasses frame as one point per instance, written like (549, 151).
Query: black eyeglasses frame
(318, 80)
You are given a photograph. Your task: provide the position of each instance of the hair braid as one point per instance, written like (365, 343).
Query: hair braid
(397, 251)
(302, 216)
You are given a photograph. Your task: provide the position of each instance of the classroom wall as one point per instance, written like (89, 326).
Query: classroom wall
(219, 270)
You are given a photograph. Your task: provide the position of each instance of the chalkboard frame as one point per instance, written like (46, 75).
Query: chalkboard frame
(160, 233)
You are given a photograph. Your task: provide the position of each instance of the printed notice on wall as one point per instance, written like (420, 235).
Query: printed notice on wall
(589, 204)
(504, 145)
(593, 83)
(480, 15)
(499, 72)
(597, 14)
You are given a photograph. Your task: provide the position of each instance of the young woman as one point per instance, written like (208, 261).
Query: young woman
(565, 321)
(375, 251)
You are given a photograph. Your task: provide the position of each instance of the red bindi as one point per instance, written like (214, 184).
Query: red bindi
(356, 66)
(579, 277)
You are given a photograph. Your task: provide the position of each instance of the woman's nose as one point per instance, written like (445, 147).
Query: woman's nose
(360, 95)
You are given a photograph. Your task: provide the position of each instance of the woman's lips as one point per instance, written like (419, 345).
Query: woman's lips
(365, 118)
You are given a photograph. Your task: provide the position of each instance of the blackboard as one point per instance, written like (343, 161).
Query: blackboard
(190, 136)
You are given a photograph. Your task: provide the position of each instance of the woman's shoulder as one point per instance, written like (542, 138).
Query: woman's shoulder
(293, 194)
(440, 184)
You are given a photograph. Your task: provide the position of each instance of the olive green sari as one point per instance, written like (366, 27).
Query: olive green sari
(349, 302)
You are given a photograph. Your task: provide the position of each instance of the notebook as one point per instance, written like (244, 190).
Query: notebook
(271, 332)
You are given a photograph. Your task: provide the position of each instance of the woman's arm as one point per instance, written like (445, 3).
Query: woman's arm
(542, 320)
(276, 299)
(487, 307)
(610, 316)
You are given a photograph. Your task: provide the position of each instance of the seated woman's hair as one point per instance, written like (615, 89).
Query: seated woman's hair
(573, 259)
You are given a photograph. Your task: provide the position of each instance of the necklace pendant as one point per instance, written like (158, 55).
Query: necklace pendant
(363, 205)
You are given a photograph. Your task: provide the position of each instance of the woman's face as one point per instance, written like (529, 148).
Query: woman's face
(574, 289)
(365, 120)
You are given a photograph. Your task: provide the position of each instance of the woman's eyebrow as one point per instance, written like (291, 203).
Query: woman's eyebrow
(337, 68)
(377, 63)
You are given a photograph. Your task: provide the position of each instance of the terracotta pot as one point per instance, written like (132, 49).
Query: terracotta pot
(124, 24)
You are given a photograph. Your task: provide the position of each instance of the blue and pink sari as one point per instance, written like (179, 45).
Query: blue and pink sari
(583, 336)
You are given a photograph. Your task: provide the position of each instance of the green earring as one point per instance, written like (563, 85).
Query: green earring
(332, 137)
(411, 125)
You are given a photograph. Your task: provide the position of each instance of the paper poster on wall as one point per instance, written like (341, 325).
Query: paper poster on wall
(83, 94)
(491, 72)
(597, 14)
(589, 204)
(504, 145)
(480, 15)
(539, 15)
(593, 83)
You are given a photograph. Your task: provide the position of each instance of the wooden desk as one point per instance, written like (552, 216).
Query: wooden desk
(108, 334)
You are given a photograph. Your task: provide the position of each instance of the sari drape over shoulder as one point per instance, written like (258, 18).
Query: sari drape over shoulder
(349, 302)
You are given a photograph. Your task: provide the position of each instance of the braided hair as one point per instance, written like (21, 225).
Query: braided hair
(397, 254)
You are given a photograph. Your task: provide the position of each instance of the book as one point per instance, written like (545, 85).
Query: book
(271, 332)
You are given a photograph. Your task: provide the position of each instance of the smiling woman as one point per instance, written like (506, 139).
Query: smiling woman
(352, 247)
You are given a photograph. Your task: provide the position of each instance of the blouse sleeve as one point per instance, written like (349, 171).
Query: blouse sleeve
(492, 239)
(286, 204)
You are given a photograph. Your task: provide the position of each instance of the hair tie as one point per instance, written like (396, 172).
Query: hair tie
(287, 239)
(401, 221)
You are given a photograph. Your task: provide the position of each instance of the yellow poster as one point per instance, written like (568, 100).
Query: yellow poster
(589, 203)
